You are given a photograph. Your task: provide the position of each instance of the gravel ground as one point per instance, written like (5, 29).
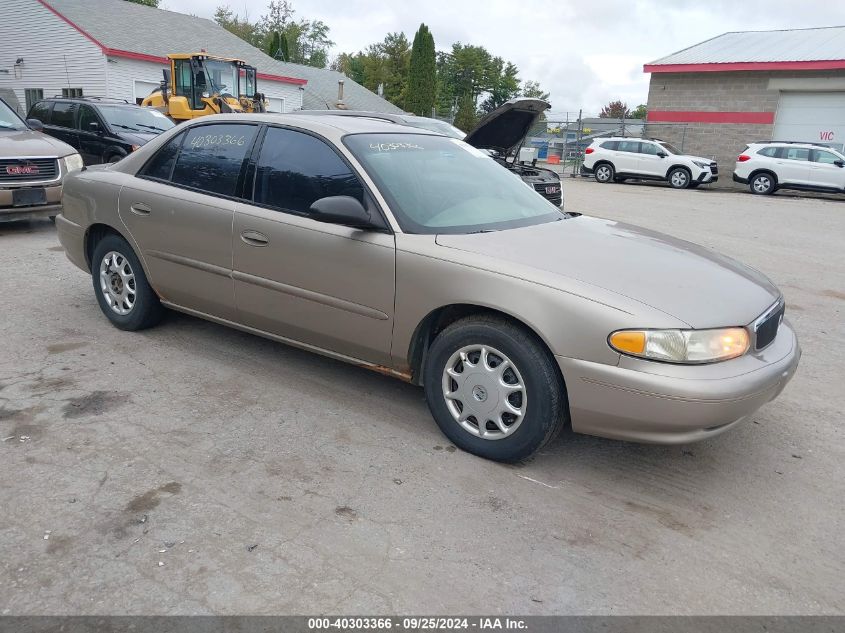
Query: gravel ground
(196, 469)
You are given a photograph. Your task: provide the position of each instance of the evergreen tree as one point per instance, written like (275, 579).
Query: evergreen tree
(465, 119)
(422, 76)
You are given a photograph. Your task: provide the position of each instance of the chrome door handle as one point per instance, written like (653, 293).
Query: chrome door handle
(254, 238)
(140, 209)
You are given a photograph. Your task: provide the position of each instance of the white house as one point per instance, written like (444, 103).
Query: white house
(117, 49)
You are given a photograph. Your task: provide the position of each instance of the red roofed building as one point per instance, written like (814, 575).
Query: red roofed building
(741, 87)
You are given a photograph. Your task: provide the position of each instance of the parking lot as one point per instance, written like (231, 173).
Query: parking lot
(196, 469)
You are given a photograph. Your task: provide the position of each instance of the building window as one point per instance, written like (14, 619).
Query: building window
(71, 92)
(32, 95)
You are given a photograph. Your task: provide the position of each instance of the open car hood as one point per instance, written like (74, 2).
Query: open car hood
(505, 128)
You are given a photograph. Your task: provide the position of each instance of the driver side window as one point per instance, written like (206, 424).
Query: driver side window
(295, 169)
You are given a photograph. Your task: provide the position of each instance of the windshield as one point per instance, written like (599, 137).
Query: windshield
(671, 148)
(136, 119)
(9, 120)
(222, 76)
(433, 125)
(436, 185)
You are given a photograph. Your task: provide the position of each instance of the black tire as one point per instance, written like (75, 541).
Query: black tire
(679, 178)
(604, 173)
(762, 184)
(546, 411)
(146, 310)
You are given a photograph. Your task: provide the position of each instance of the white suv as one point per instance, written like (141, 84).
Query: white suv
(768, 166)
(619, 159)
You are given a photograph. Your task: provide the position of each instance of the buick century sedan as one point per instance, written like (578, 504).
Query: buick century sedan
(416, 255)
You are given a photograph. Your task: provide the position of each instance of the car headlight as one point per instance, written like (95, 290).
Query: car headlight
(73, 162)
(700, 164)
(682, 346)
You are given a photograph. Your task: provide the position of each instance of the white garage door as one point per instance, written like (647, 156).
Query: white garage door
(143, 88)
(274, 104)
(817, 117)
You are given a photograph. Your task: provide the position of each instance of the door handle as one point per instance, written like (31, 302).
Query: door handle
(140, 209)
(254, 238)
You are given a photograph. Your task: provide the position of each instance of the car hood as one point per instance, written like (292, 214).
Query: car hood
(689, 282)
(27, 143)
(506, 127)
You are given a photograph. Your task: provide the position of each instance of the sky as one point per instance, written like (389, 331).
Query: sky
(584, 53)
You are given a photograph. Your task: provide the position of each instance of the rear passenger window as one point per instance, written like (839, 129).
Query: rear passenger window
(296, 169)
(611, 145)
(794, 153)
(161, 165)
(63, 114)
(40, 111)
(211, 157)
(629, 146)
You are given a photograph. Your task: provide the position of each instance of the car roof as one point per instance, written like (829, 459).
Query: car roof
(344, 124)
(95, 101)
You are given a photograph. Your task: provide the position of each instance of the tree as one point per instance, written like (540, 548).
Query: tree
(615, 110)
(639, 112)
(532, 90)
(240, 26)
(148, 3)
(466, 118)
(502, 82)
(422, 74)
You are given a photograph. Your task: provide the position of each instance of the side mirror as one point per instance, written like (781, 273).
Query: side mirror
(93, 126)
(35, 125)
(662, 154)
(839, 163)
(344, 210)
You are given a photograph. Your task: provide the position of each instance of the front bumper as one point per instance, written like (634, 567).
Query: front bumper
(644, 401)
(52, 207)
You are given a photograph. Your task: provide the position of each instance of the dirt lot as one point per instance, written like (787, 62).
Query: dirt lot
(195, 469)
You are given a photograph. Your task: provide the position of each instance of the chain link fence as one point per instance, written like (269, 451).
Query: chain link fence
(560, 141)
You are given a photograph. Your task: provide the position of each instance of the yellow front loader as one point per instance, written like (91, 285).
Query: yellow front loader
(198, 84)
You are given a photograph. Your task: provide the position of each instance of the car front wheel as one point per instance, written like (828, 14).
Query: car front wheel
(679, 178)
(121, 286)
(605, 173)
(493, 389)
(762, 184)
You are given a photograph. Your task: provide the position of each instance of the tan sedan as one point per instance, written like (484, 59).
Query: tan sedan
(416, 255)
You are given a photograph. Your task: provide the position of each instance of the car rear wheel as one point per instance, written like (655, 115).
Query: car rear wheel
(605, 173)
(679, 178)
(121, 286)
(762, 184)
(493, 389)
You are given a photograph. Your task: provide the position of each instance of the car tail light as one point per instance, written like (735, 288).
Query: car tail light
(742, 158)
(589, 150)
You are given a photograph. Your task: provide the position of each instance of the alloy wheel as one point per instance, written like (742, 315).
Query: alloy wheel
(762, 184)
(679, 179)
(603, 173)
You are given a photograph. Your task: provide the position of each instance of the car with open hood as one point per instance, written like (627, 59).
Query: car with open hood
(32, 168)
(413, 254)
(501, 133)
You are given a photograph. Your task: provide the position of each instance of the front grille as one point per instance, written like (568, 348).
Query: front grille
(766, 329)
(714, 168)
(14, 170)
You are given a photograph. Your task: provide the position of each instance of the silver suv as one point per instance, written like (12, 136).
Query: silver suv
(32, 167)
(771, 165)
